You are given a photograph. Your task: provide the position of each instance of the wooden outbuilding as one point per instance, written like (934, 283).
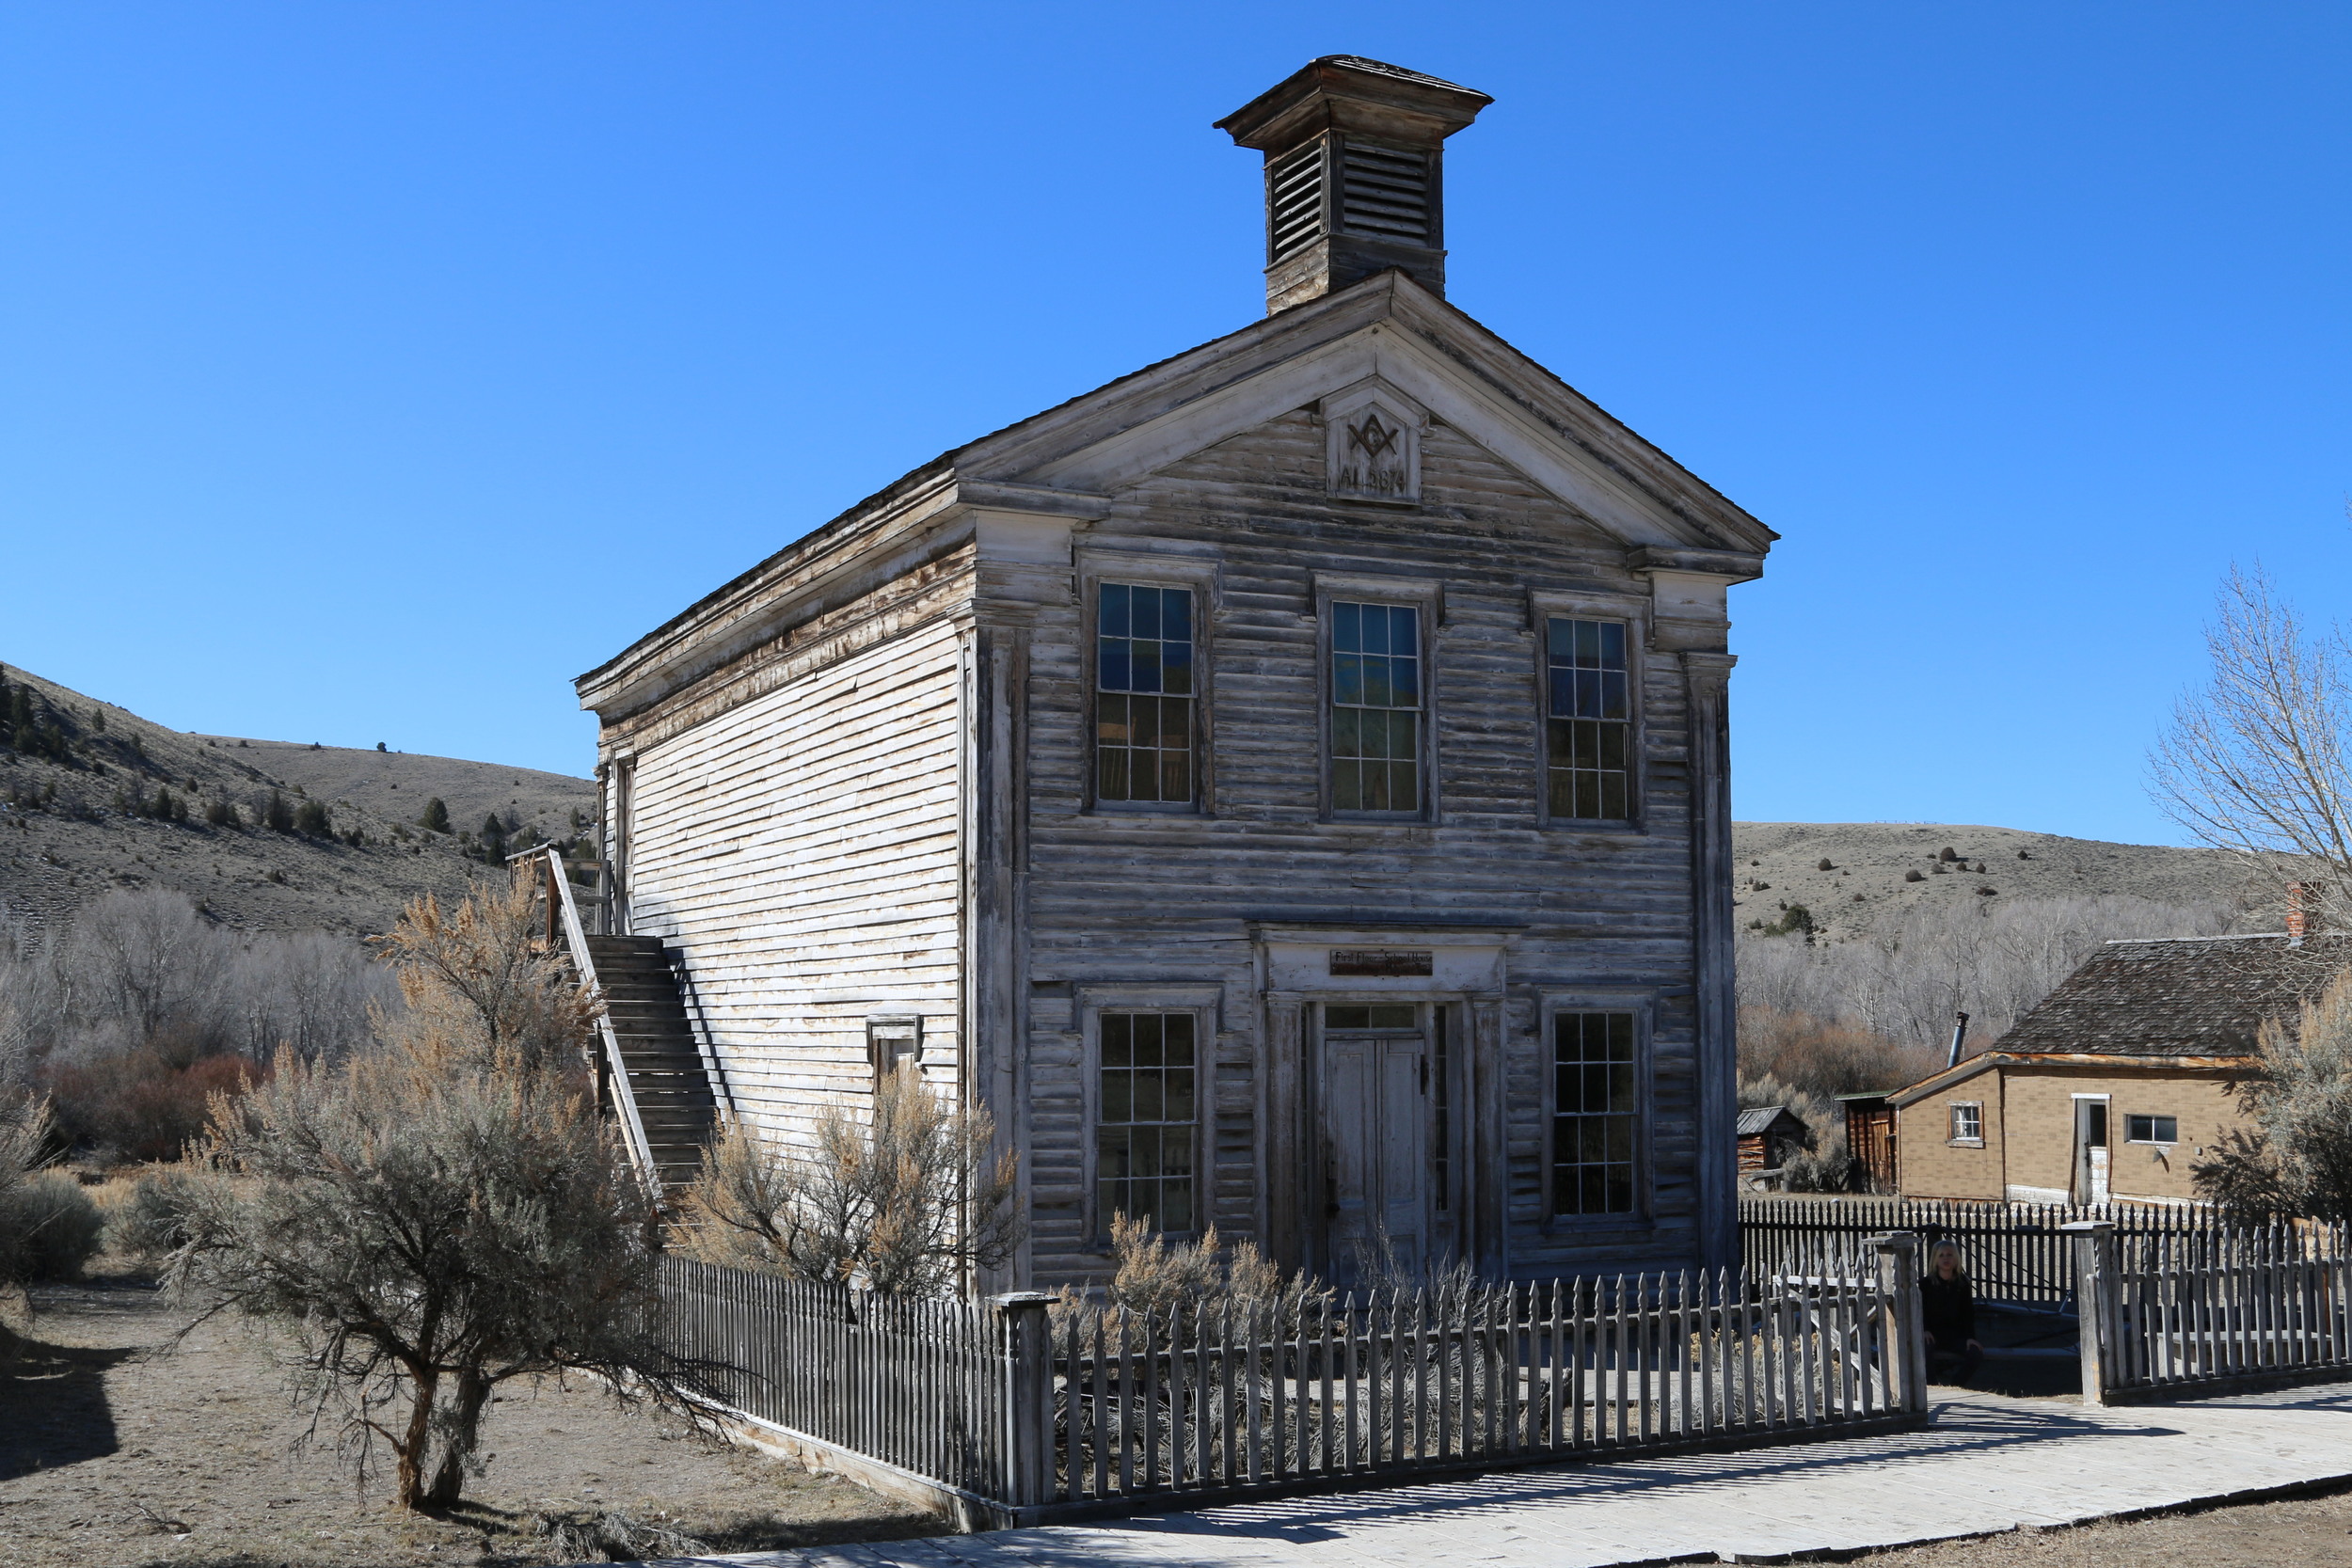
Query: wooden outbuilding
(1769, 1136)
(1286, 785)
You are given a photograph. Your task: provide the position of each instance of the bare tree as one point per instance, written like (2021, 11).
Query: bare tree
(2256, 761)
(904, 1204)
(437, 1217)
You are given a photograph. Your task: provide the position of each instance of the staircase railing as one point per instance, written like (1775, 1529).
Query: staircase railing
(563, 921)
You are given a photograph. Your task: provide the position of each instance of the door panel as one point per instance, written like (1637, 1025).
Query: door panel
(1376, 1112)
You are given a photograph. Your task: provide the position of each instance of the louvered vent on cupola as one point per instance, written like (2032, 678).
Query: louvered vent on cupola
(1353, 153)
(1386, 192)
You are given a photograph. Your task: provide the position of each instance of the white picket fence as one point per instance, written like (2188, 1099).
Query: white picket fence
(1027, 1408)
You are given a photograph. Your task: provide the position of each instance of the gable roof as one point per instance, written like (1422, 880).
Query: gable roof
(1066, 459)
(2198, 1001)
(2203, 996)
(1763, 1118)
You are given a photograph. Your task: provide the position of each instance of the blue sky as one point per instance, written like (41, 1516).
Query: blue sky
(368, 370)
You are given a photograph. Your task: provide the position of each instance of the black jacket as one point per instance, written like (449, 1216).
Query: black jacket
(1948, 1310)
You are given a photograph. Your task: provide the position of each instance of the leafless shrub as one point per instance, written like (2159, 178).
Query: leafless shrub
(433, 1218)
(2297, 1159)
(2257, 761)
(1153, 1274)
(485, 973)
(906, 1203)
(141, 985)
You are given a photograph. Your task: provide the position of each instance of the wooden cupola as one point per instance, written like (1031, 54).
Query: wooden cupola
(1353, 153)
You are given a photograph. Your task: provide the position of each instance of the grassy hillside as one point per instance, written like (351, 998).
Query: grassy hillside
(93, 797)
(1778, 863)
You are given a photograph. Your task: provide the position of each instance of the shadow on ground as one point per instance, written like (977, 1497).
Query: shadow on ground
(52, 1404)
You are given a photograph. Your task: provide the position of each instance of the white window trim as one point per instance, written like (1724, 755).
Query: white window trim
(1425, 594)
(1151, 569)
(1951, 1120)
(1205, 1001)
(1643, 1004)
(1634, 610)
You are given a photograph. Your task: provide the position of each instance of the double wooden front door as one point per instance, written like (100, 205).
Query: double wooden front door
(1383, 1079)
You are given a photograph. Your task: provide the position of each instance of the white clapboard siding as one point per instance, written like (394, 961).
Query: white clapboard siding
(800, 849)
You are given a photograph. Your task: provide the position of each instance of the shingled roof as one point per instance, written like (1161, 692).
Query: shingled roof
(2205, 996)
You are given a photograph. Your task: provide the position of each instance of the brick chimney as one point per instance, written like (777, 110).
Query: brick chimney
(2300, 896)
(1353, 150)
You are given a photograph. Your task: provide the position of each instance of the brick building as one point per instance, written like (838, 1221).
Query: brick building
(2117, 1082)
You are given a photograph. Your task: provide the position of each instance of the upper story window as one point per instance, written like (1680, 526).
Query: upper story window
(1375, 708)
(1589, 727)
(1144, 694)
(1595, 1114)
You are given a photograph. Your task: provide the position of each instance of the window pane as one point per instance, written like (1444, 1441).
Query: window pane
(1587, 737)
(1596, 1126)
(1375, 688)
(1143, 739)
(1146, 1121)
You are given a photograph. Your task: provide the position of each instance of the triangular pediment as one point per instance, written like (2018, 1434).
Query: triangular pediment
(1392, 352)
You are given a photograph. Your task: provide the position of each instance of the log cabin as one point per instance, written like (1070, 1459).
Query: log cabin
(1286, 786)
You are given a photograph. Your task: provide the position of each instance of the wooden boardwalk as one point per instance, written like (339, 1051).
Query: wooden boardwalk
(1989, 1464)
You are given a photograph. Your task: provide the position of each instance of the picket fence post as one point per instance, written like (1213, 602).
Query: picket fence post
(1905, 1339)
(2097, 1306)
(1028, 1397)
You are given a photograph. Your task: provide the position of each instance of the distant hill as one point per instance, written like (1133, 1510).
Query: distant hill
(1869, 860)
(82, 781)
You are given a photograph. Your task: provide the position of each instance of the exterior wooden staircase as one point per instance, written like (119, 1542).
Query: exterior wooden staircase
(655, 1076)
(662, 1071)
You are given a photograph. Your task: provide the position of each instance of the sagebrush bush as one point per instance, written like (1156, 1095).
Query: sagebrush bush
(49, 1228)
(152, 1222)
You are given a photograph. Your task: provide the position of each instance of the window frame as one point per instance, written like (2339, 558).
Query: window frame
(1952, 1135)
(2150, 1117)
(885, 1031)
(1542, 606)
(1427, 597)
(1145, 569)
(1206, 1003)
(1644, 1007)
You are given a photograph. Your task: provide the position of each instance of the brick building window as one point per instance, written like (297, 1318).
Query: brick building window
(2152, 1129)
(1967, 1123)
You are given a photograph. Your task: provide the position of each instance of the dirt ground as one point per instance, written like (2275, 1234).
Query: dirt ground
(2300, 1532)
(119, 1451)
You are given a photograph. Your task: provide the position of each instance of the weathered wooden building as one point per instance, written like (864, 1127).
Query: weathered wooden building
(1287, 785)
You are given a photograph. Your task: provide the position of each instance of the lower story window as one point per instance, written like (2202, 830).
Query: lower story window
(2152, 1130)
(1967, 1123)
(1147, 1120)
(1594, 1114)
